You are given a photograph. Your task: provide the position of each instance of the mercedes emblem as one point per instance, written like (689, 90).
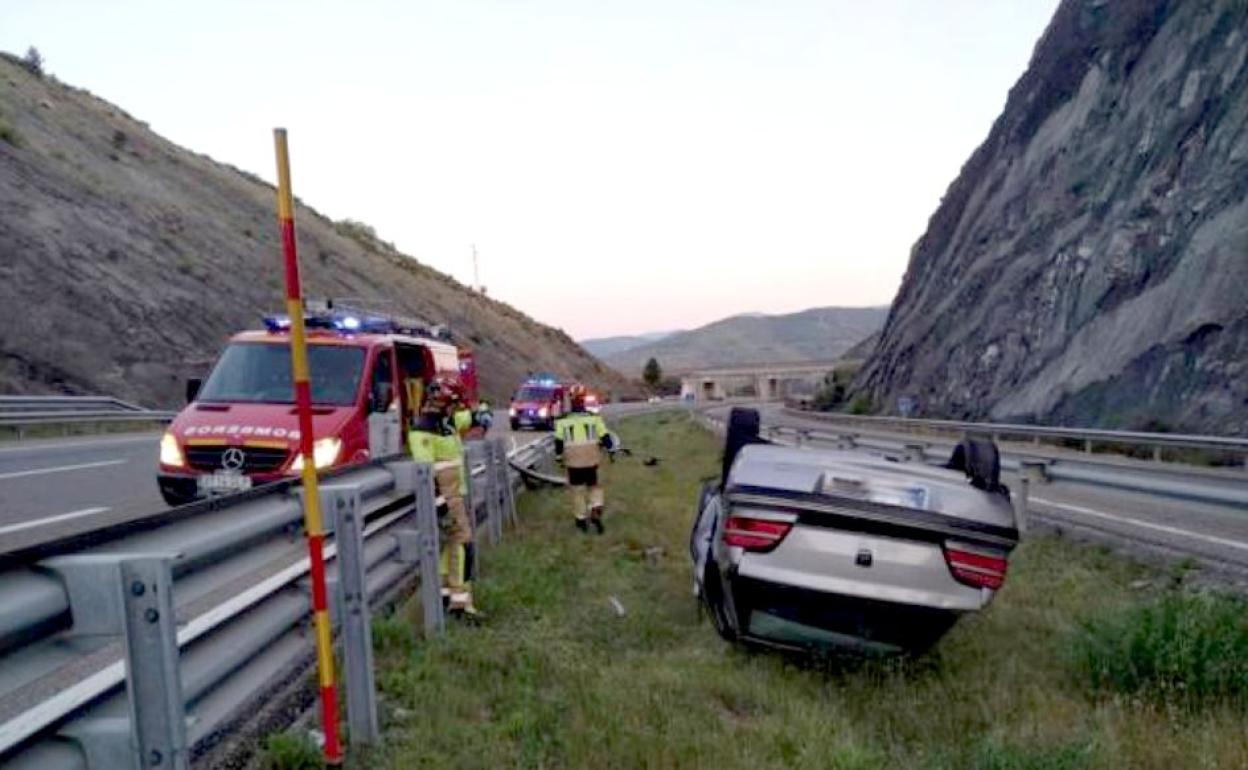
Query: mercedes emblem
(233, 458)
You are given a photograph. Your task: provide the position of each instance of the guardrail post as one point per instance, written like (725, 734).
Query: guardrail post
(427, 525)
(357, 631)
(154, 684)
(508, 492)
(471, 457)
(493, 487)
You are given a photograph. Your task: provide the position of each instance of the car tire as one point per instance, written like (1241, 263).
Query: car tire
(173, 500)
(713, 599)
(515, 425)
(743, 427)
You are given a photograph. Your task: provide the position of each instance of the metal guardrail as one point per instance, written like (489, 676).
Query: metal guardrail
(21, 412)
(141, 650)
(66, 404)
(1162, 480)
(1088, 436)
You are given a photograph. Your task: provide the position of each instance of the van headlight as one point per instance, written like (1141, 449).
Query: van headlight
(170, 452)
(543, 412)
(324, 454)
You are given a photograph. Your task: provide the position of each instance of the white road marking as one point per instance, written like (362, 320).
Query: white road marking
(60, 469)
(32, 524)
(1145, 524)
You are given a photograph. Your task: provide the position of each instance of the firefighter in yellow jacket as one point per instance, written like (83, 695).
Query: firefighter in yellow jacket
(435, 439)
(579, 436)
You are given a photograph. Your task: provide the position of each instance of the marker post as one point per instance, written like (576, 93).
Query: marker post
(311, 495)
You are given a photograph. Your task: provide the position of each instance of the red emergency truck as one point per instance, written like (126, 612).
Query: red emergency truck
(240, 428)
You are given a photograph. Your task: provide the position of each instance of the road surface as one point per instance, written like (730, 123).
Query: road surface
(61, 487)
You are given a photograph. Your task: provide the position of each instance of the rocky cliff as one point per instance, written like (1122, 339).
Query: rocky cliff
(126, 261)
(1090, 263)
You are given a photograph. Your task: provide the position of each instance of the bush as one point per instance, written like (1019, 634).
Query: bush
(33, 62)
(860, 405)
(1184, 649)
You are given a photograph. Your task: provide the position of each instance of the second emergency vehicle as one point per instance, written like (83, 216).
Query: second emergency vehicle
(538, 402)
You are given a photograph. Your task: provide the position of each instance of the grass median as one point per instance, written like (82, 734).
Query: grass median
(560, 677)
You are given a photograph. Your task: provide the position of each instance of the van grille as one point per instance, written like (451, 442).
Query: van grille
(255, 459)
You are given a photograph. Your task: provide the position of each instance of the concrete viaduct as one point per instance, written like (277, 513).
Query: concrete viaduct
(771, 382)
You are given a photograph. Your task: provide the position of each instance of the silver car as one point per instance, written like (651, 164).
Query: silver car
(803, 548)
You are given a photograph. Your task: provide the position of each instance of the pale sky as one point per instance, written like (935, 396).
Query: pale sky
(622, 166)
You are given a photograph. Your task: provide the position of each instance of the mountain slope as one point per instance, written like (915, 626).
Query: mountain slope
(606, 346)
(126, 261)
(1090, 263)
(819, 334)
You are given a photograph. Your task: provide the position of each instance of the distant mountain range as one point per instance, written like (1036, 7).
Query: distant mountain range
(818, 334)
(607, 346)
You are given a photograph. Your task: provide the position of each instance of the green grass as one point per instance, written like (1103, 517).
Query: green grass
(1181, 650)
(288, 751)
(555, 679)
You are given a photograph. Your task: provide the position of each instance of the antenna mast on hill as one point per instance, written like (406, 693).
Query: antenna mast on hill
(476, 272)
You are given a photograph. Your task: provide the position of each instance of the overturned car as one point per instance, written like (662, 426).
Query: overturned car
(804, 548)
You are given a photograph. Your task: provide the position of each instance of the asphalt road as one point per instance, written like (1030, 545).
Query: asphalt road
(68, 486)
(1215, 534)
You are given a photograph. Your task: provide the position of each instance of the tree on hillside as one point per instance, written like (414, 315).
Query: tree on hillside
(652, 374)
(33, 62)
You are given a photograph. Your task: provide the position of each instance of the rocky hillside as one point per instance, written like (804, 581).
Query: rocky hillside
(126, 261)
(819, 334)
(1090, 263)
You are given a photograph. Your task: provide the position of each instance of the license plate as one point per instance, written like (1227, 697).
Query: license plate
(223, 483)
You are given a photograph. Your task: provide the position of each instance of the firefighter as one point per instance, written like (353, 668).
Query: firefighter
(436, 440)
(578, 437)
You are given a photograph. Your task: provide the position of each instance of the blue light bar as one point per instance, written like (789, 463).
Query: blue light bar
(277, 323)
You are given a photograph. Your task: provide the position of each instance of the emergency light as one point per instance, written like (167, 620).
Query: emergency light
(353, 322)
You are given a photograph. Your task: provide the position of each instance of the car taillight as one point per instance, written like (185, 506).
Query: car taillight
(754, 534)
(976, 567)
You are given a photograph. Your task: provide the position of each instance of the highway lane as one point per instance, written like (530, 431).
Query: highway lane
(80, 478)
(68, 486)
(1216, 534)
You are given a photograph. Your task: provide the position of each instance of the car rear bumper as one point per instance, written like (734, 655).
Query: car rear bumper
(801, 618)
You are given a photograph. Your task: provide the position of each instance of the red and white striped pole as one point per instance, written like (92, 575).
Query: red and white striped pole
(311, 496)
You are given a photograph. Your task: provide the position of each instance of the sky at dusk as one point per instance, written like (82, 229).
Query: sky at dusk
(621, 167)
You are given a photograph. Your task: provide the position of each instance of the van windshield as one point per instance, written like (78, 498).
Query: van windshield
(260, 372)
(534, 394)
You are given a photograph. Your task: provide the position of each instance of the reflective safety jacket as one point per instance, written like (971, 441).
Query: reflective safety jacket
(462, 419)
(431, 442)
(578, 436)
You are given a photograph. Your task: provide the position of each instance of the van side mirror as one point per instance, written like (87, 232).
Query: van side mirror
(192, 388)
(382, 397)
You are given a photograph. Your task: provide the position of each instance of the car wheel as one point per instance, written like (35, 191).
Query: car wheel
(515, 425)
(713, 598)
(173, 500)
(743, 427)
